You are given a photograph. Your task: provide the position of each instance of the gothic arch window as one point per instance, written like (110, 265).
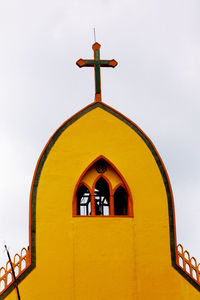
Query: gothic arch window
(83, 201)
(102, 191)
(121, 201)
(102, 198)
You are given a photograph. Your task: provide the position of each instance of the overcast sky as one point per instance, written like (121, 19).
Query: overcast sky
(156, 84)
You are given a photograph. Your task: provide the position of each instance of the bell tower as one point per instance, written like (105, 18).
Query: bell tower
(102, 219)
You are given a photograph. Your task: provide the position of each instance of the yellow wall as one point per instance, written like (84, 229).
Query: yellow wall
(102, 258)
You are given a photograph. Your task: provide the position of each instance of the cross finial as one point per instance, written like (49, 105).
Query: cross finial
(97, 64)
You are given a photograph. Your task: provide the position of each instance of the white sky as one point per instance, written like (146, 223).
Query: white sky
(156, 84)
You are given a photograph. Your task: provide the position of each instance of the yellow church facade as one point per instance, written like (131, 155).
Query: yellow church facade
(102, 221)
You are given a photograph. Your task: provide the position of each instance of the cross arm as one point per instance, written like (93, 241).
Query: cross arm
(85, 63)
(108, 63)
(91, 63)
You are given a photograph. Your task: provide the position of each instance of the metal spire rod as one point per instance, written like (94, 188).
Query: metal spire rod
(94, 35)
(15, 281)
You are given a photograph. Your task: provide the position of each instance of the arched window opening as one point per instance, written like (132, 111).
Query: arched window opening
(83, 201)
(102, 198)
(121, 201)
(102, 191)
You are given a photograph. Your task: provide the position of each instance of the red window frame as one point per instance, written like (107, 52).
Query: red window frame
(111, 191)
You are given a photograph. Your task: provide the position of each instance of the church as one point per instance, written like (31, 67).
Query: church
(101, 215)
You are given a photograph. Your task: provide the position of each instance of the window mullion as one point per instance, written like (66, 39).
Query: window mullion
(112, 209)
(93, 213)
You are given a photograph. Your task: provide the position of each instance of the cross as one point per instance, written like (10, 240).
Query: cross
(97, 63)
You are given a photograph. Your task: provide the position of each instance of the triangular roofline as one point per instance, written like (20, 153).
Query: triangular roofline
(38, 169)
